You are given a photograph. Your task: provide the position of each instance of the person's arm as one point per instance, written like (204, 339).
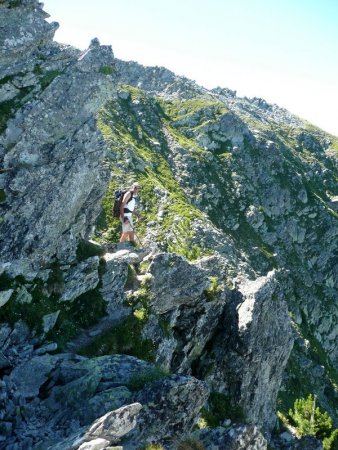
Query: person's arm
(125, 199)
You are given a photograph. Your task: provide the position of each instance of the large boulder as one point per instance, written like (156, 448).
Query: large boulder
(170, 409)
(175, 282)
(248, 353)
(81, 278)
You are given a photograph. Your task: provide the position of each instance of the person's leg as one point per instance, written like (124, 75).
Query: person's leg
(131, 236)
(124, 237)
(127, 229)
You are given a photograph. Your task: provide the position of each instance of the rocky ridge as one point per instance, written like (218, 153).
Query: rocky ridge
(51, 140)
(202, 309)
(264, 179)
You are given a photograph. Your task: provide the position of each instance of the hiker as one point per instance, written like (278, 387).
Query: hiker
(126, 213)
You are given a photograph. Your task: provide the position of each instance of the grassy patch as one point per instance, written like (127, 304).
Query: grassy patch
(83, 312)
(221, 407)
(190, 443)
(48, 77)
(126, 338)
(88, 249)
(213, 290)
(120, 125)
(138, 381)
(9, 107)
(152, 447)
(165, 326)
(31, 313)
(179, 109)
(106, 70)
(183, 243)
(2, 196)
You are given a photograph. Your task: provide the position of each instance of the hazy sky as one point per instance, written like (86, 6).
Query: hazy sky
(284, 51)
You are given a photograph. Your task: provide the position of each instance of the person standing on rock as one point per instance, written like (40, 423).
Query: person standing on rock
(128, 209)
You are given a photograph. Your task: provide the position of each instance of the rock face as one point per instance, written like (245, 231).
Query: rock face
(238, 226)
(52, 174)
(73, 401)
(260, 342)
(247, 180)
(35, 32)
(245, 336)
(168, 398)
(238, 438)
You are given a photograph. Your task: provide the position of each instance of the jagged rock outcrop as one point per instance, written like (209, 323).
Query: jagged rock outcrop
(253, 183)
(52, 173)
(171, 409)
(156, 80)
(258, 337)
(244, 334)
(237, 200)
(19, 45)
(72, 400)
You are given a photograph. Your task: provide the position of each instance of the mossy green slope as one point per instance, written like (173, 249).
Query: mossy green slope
(267, 186)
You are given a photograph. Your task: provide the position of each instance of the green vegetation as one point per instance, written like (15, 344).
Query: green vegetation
(140, 300)
(14, 4)
(131, 278)
(181, 109)
(8, 108)
(138, 381)
(316, 350)
(134, 123)
(106, 70)
(165, 326)
(86, 249)
(48, 77)
(82, 312)
(6, 282)
(153, 447)
(334, 145)
(2, 196)
(213, 290)
(183, 243)
(125, 338)
(30, 313)
(308, 419)
(220, 407)
(331, 442)
(120, 125)
(299, 382)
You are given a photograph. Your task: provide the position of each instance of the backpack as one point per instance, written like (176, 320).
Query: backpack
(118, 197)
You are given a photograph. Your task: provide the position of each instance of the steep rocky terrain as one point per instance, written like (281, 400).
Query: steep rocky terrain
(227, 312)
(247, 181)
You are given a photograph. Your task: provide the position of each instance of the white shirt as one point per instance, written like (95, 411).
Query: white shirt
(131, 204)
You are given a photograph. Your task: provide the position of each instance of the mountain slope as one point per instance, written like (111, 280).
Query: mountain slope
(238, 242)
(244, 179)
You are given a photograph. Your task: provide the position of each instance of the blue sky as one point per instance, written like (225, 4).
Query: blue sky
(283, 51)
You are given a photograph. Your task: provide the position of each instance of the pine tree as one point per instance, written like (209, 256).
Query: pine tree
(309, 419)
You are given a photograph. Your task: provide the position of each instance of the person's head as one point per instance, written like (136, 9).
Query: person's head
(135, 188)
